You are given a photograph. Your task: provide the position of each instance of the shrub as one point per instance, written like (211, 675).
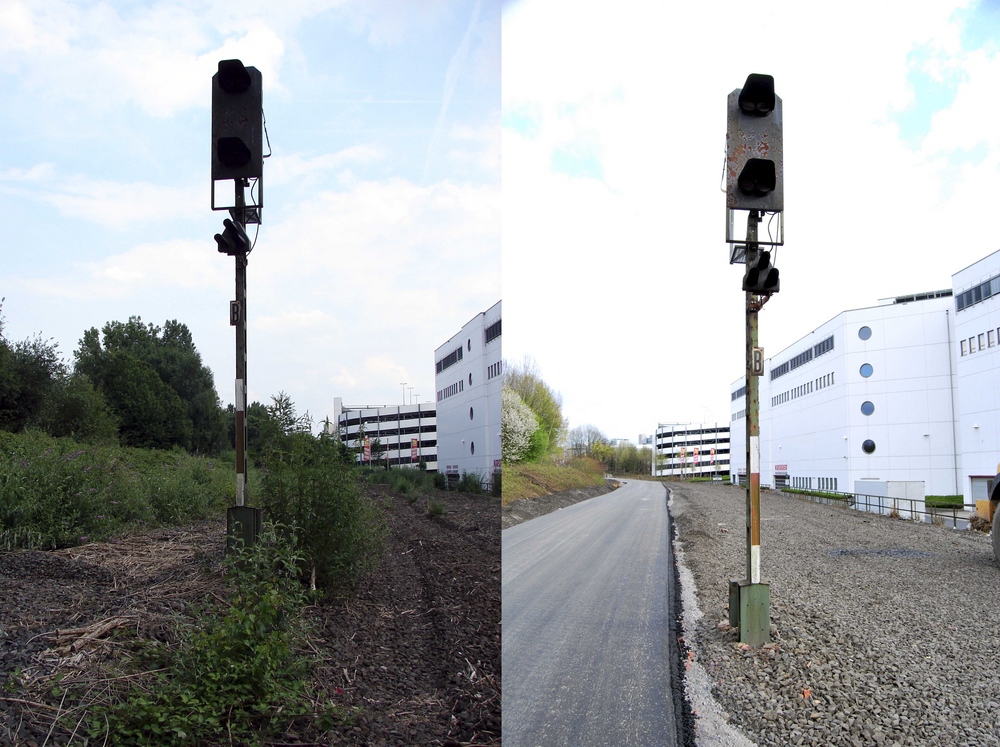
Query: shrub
(470, 482)
(313, 491)
(55, 492)
(235, 676)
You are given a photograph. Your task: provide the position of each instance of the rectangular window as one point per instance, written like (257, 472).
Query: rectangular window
(965, 350)
(990, 338)
(972, 345)
(450, 360)
(982, 341)
(493, 331)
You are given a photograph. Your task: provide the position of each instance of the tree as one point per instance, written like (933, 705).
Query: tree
(169, 354)
(526, 380)
(77, 410)
(151, 414)
(517, 425)
(30, 371)
(585, 440)
(627, 459)
(282, 411)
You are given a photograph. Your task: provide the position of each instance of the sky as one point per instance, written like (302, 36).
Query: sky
(616, 273)
(381, 223)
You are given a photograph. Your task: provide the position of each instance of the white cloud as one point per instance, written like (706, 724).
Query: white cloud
(179, 264)
(115, 205)
(158, 57)
(311, 319)
(298, 168)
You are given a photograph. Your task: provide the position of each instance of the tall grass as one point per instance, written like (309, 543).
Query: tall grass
(406, 480)
(55, 492)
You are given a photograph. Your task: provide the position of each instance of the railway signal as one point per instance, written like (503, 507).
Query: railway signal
(754, 147)
(755, 186)
(233, 240)
(238, 158)
(237, 129)
(761, 276)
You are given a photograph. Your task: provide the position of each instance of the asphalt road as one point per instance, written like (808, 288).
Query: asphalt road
(587, 640)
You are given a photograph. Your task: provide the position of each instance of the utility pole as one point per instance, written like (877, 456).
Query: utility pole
(755, 185)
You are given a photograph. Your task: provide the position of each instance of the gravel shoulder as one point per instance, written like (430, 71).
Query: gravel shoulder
(416, 647)
(884, 632)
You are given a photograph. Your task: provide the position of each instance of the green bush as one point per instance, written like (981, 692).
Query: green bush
(237, 676)
(55, 492)
(945, 501)
(539, 447)
(470, 482)
(309, 487)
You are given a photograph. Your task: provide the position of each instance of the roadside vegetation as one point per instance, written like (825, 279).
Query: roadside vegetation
(542, 455)
(132, 436)
(237, 673)
(532, 480)
(56, 492)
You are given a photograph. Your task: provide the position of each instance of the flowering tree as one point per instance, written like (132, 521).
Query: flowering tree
(517, 424)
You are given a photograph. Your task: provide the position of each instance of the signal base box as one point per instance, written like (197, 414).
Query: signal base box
(750, 611)
(243, 525)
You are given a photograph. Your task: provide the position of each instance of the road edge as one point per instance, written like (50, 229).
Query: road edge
(704, 723)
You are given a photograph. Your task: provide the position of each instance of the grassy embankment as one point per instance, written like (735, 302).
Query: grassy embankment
(543, 478)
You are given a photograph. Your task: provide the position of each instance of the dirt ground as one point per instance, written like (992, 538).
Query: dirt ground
(416, 647)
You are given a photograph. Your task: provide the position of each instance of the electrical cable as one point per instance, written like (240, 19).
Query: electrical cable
(265, 134)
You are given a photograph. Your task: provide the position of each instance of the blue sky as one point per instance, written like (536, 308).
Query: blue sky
(381, 225)
(615, 269)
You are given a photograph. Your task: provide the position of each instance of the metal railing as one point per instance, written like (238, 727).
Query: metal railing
(898, 508)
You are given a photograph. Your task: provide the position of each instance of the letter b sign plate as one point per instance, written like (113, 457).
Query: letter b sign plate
(757, 362)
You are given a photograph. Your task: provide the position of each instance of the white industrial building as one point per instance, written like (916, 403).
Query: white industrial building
(904, 392)
(468, 370)
(408, 433)
(977, 333)
(687, 450)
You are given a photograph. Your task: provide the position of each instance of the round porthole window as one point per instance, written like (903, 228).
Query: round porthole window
(472, 447)
(470, 379)
(868, 446)
(867, 408)
(867, 370)
(865, 332)
(468, 344)
(470, 413)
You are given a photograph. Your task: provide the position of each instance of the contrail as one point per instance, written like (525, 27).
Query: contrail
(450, 80)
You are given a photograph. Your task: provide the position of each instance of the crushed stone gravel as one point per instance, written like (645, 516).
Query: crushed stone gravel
(883, 631)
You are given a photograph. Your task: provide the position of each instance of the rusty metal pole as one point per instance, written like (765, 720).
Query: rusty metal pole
(243, 522)
(754, 596)
(241, 355)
